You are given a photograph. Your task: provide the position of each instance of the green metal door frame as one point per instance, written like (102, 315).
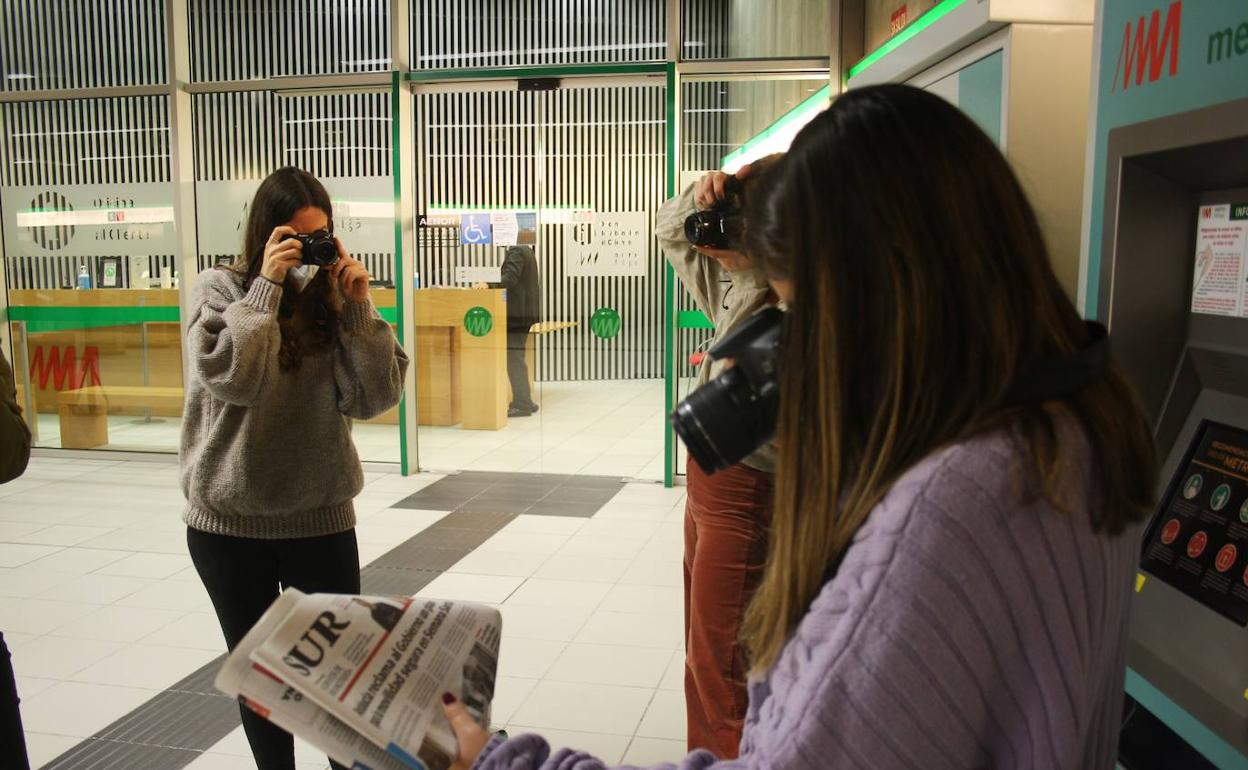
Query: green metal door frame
(401, 82)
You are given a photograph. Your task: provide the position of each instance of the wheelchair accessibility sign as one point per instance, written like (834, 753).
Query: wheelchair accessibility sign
(474, 230)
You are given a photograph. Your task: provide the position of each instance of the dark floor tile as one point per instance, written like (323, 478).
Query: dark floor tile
(556, 508)
(455, 539)
(521, 490)
(487, 522)
(614, 483)
(589, 496)
(395, 581)
(422, 557)
(427, 501)
(489, 503)
(93, 753)
(181, 720)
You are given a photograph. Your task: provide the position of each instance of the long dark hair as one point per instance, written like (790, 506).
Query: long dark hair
(922, 289)
(309, 319)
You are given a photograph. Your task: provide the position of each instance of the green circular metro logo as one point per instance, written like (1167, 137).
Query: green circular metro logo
(478, 321)
(605, 323)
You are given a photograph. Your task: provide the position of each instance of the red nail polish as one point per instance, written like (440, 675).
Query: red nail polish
(448, 698)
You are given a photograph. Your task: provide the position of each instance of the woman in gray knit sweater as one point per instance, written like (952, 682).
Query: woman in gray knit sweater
(283, 355)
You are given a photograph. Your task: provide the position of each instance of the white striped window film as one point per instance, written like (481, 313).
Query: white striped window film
(54, 145)
(238, 40)
(62, 44)
(754, 29)
(600, 149)
(462, 34)
(245, 136)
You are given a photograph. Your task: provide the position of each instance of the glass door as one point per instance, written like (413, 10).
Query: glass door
(537, 268)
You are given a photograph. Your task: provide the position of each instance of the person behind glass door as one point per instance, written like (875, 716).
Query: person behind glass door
(519, 276)
(960, 478)
(14, 455)
(726, 515)
(283, 355)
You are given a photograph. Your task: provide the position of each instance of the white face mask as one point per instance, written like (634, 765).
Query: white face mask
(302, 275)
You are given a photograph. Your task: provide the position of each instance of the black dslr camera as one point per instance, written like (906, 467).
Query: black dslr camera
(725, 420)
(319, 248)
(721, 226)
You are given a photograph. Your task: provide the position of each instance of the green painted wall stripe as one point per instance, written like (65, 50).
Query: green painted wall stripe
(693, 319)
(816, 102)
(55, 319)
(1190, 729)
(920, 24)
(553, 71)
(400, 271)
(669, 292)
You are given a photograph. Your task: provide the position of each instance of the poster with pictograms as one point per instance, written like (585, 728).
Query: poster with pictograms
(1198, 540)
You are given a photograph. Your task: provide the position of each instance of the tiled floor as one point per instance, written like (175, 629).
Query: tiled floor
(603, 428)
(104, 612)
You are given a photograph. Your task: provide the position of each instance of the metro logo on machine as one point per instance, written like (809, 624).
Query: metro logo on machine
(62, 367)
(1149, 46)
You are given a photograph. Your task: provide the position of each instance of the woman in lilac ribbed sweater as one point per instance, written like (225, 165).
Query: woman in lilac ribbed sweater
(960, 472)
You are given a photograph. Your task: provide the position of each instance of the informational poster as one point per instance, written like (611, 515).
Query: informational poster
(88, 220)
(363, 213)
(1198, 541)
(526, 223)
(614, 244)
(505, 227)
(1220, 279)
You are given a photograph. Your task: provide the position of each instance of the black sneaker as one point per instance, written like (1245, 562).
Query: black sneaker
(516, 411)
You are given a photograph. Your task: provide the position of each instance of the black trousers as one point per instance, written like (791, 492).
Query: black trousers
(12, 739)
(243, 577)
(517, 370)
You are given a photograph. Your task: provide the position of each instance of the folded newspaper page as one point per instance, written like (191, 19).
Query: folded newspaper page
(361, 677)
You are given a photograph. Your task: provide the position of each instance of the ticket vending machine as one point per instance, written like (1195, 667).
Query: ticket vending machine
(1166, 268)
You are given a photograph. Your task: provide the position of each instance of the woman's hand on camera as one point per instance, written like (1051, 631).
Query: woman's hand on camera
(351, 275)
(710, 188)
(281, 255)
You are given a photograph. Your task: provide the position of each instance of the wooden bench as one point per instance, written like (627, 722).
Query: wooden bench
(84, 412)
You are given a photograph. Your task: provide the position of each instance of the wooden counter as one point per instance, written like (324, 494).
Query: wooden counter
(131, 338)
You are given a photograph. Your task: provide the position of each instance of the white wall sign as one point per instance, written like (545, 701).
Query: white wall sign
(363, 213)
(1220, 280)
(88, 220)
(614, 244)
(473, 275)
(506, 228)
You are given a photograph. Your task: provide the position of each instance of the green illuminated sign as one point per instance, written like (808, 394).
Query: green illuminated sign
(478, 321)
(605, 323)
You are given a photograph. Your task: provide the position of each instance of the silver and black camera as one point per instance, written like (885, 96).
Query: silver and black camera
(319, 247)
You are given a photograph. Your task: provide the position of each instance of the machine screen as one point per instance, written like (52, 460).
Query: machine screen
(1198, 540)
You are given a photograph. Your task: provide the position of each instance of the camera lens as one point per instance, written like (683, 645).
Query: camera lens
(723, 422)
(705, 228)
(320, 249)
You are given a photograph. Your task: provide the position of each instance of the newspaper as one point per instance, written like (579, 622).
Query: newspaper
(361, 677)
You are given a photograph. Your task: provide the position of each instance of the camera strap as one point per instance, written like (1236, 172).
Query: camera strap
(1058, 378)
